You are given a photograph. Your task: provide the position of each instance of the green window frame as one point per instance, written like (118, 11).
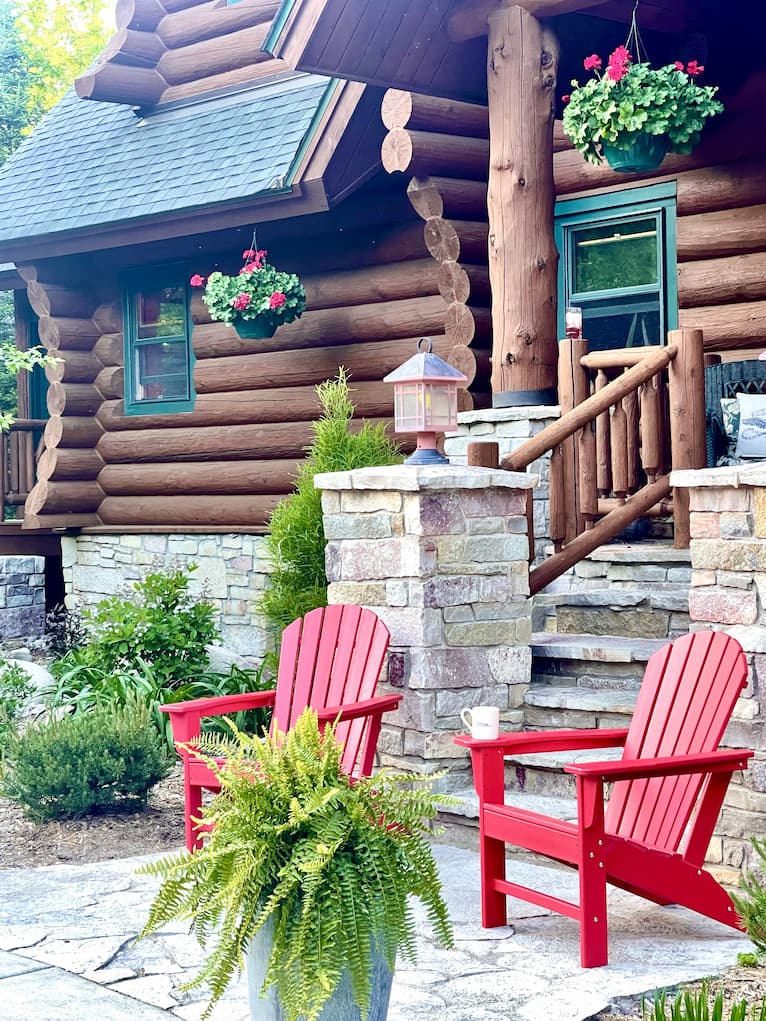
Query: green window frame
(630, 215)
(159, 359)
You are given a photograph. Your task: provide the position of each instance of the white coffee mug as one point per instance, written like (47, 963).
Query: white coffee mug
(483, 721)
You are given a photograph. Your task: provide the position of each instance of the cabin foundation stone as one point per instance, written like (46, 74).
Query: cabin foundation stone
(232, 571)
(728, 559)
(451, 581)
(22, 599)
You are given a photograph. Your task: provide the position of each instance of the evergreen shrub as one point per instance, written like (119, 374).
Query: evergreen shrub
(78, 764)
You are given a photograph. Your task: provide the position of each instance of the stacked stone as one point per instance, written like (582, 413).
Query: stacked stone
(232, 571)
(440, 553)
(22, 599)
(509, 428)
(728, 557)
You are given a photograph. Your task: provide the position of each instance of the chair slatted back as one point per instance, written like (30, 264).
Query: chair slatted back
(685, 702)
(333, 656)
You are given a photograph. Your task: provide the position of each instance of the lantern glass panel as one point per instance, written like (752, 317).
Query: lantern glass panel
(441, 406)
(409, 412)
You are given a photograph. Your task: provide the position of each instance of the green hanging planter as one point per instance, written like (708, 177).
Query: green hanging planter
(640, 154)
(254, 329)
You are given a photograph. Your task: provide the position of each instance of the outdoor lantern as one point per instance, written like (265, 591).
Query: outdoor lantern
(425, 400)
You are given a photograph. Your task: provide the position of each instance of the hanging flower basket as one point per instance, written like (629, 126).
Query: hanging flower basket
(639, 153)
(257, 300)
(633, 114)
(254, 329)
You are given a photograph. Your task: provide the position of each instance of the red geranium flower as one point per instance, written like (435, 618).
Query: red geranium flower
(592, 62)
(197, 281)
(621, 56)
(678, 65)
(565, 99)
(693, 68)
(248, 254)
(277, 300)
(616, 72)
(241, 301)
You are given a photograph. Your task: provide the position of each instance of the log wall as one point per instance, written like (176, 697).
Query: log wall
(372, 291)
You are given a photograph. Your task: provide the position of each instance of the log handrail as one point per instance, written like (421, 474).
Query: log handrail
(18, 461)
(579, 416)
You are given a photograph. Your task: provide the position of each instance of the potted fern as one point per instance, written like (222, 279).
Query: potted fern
(308, 874)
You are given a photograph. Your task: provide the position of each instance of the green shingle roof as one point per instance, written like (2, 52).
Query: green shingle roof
(91, 164)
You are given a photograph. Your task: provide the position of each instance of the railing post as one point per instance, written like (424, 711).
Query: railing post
(686, 398)
(573, 390)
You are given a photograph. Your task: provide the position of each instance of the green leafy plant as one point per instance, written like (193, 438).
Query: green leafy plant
(64, 630)
(296, 540)
(158, 623)
(751, 904)
(259, 291)
(689, 1005)
(15, 690)
(330, 863)
(68, 767)
(636, 98)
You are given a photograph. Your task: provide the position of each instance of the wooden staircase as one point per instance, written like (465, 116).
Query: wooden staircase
(632, 599)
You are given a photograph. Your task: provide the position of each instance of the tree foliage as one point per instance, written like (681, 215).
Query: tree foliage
(14, 84)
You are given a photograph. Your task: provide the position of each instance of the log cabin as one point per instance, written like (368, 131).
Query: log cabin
(409, 162)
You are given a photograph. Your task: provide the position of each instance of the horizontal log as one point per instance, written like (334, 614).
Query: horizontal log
(67, 334)
(64, 464)
(109, 349)
(460, 282)
(110, 382)
(723, 187)
(72, 399)
(117, 83)
(725, 232)
(448, 197)
(59, 522)
(108, 317)
(142, 15)
(463, 325)
(377, 321)
(722, 281)
(663, 509)
(211, 20)
(198, 477)
(620, 358)
(472, 362)
(456, 240)
(266, 441)
(226, 79)
(55, 300)
(135, 48)
(426, 153)
(417, 112)
(180, 510)
(728, 327)
(72, 431)
(368, 361)
(72, 367)
(245, 407)
(214, 56)
(62, 497)
(400, 280)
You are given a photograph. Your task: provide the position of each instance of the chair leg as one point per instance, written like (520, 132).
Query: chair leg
(594, 937)
(494, 905)
(193, 803)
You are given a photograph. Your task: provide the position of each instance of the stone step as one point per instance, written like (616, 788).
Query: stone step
(654, 610)
(591, 661)
(544, 775)
(561, 707)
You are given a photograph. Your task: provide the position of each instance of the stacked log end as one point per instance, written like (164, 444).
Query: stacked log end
(444, 145)
(67, 492)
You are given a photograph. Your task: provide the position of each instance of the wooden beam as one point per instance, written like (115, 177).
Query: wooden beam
(523, 259)
(471, 19)
(177, 30)
(117, 83)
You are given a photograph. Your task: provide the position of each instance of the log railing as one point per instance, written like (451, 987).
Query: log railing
(18, 462)
(628, 418)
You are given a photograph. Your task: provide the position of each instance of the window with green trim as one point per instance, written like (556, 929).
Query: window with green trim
(158, 351)
(618, 264)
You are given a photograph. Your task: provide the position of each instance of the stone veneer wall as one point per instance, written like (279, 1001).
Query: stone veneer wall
(510, 427)
(231, 571)
(728, 559)
(440, 554)
(22, 599)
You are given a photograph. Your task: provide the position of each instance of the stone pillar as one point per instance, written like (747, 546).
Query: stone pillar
(22, 600)
(440, 553)
(727, 523)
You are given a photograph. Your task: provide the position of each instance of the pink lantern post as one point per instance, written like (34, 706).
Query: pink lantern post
(425, 400)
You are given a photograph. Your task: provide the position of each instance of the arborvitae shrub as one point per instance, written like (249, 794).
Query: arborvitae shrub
(296, 540)
(81, 763)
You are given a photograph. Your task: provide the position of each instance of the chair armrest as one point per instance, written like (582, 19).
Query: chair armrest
(725, 760)
(185, 717)
(533, 741)
(354, 710)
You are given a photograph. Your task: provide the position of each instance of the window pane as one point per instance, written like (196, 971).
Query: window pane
(616, 255)
(161, 312)
(615, 323)
(161, 372)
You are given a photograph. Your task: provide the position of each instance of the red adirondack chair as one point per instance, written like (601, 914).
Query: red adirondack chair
(330, 660)
(669, 786)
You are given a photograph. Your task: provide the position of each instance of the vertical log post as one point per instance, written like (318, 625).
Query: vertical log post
(603, 443)
(523, 260)
(686, 398)
(573, 390)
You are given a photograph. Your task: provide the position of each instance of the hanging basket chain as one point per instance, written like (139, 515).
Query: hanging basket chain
(634, 39)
